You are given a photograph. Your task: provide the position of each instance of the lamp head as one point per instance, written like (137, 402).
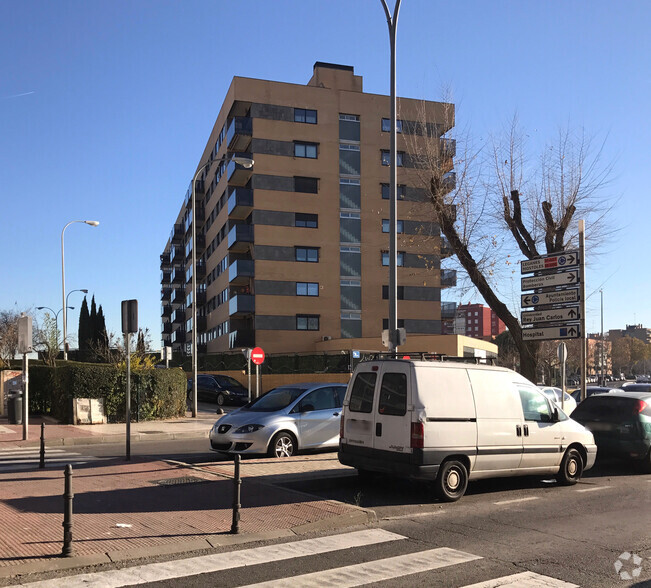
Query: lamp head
(246, 162)
(92, 223)
(40, 307)
(84, 290)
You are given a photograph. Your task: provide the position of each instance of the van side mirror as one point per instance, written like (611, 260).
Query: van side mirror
(555, 417)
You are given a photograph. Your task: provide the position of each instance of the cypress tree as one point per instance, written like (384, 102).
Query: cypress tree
(93, 321)
(140, 345)
(83, 334)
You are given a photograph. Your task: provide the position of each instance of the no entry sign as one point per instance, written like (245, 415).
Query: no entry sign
(257, 355)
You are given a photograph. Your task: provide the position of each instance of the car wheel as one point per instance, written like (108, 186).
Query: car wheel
(220, 399)
(451, 482)
(571, 468)
(282, 445)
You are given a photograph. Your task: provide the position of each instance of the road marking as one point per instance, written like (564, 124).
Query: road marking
(20, 459)
(594, 489)
(376, 571)
(194, 566)
(517, 500)
(28, 450)
(412, 516)
(524, 580)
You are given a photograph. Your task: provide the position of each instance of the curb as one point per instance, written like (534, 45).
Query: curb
(57, 563)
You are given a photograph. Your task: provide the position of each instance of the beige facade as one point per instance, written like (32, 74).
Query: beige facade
(290, 252)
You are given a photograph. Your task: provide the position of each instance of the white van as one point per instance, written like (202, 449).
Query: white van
(450, 422)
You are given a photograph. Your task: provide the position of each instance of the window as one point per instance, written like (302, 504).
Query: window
(361, 396)
(535, 406)
(307, 185)
(349, 159)
(321, 399)
(386, 125)
(308, 150)
(385, 323)
(400, 189)
(400, 289)
(350, 193)
(307, 322)
(399, 254)
(399, 226)
(393, 394)
(309, 254)
(349, 127)
(304, 115)
(307, 288)
(311, 221)
(386, 157)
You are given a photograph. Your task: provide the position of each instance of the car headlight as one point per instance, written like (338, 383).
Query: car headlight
(248, 429)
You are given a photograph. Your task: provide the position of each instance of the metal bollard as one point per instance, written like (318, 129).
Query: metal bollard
(67, 514)
(41, 463)
(237, 484)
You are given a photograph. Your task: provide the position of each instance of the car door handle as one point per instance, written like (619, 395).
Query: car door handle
(518, 430)
(378, 429)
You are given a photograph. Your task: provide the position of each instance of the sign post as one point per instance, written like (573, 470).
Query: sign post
(562, 358)
(257, 357)
(584, 341)
(24, 347)
(247, 353)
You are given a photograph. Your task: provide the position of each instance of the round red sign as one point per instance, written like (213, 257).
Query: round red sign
(257, 355)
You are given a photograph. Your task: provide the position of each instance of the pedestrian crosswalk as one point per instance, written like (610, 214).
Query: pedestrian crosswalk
(398, 567)
(27, 458)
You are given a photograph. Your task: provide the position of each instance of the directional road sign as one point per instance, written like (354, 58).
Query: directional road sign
(534, 317)
(540, 333)
(570, 278)
(556, 261)
(560, 297)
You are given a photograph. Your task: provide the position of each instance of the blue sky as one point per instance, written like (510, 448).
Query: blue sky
(106, 106)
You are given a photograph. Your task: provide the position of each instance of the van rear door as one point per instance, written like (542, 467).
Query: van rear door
(358, 408)
(392, 427)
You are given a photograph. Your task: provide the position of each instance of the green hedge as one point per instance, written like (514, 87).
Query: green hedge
(155, 394)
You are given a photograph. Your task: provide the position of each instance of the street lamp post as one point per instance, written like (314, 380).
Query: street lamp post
(92, 223)
(603, 382)
(244, 162)
(392, 22)
(56, 317)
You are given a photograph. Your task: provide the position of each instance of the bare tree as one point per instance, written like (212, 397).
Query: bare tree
(46, 339)
(8, 335)
(496, 207)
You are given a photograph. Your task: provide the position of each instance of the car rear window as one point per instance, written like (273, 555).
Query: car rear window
(610, 409)
(361, 397)
(393, 394)
(637, 388)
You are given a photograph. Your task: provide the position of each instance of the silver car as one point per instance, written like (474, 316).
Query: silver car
(282, 421)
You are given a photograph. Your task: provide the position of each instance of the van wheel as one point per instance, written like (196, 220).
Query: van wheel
(571, 468)
(451, 482)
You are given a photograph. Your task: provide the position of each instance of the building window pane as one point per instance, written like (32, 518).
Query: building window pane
(349, 127)
(399, 226)
(399, 255)
(386, 157)
(350, 194)
(386, 125)
(307, 288)
(350, 262)
(307, 322)
(304, 115)
(400, 189)
(400, 292)
(349, 159)
(307, 185)
(385, 323)
(308, 150)
(310, 221)
(308, 254)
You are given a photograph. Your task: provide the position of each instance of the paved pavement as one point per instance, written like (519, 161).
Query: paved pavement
(144, 507)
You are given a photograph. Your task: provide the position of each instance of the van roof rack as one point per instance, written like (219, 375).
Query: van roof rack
(427, 356)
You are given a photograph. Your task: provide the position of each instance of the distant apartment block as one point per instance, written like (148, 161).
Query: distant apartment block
(635, 331)
(294, 251)
(476, 320)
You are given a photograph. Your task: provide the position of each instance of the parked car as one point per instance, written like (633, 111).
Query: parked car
(283, 421)
(220, 389)
(451, 422)
(590, 390)
(568, 404)
(636, 387)
(620, 423)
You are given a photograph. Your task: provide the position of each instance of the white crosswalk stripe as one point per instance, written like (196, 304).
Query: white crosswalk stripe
(26, 458)
(361, 574)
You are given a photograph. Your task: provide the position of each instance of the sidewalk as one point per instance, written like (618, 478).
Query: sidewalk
(130, 510)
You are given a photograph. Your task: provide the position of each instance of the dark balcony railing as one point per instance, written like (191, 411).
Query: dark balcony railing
(199, 188)
(240, 203)
(178, 275)
(165, 310)
(177, 296)
(446, 249)
(165, 276)
(448, 278)
(239, 132)
(166, 328)
(178, 316)
(165, 260)
(241, 271)
(178, 336)
(237, 174)
(450, 180)
(202, 323)
(448, 310)
(201, 270)
(176, 236)
(448, 148)
(240, 237)
(241, 338)
(176, 253)
(165, 294)
(241, 305)
(201, 298)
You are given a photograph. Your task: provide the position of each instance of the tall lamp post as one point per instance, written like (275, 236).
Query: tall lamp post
(246, 162)
(392, 22)
(56, 316)
(92, 223)
(603, 382)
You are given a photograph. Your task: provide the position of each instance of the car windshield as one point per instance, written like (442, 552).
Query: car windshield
(611, 409)
(227, 381)
(276, 399)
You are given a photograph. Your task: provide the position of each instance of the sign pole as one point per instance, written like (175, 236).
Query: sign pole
(562, 358)
(248, 360)
(128, 407)
(25, 396)
(257, 380)
(584, 350)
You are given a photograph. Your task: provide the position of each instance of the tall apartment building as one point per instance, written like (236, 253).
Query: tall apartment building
(294, 251)
(635, 331)
(478, 321)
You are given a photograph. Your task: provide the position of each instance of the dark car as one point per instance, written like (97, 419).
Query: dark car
(219, 389)
(590, 390)
(620, 423)
(637, 387)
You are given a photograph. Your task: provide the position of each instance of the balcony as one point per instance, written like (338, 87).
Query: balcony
(202, 323)
(165, 276)
(446, 249)
(239, 132)
(178, 275)
(165, 294)
(448, 310)
(241, 338)
(177, 296)
(450, 181)
(241, 305)
(199, 188)
(240, 272)
(201, 298)
(165, 260)
(240, 203)
(448, 148)
(166, 310)
(178, 316)
(448, 278)
(176, 253)
(237, 174)
(176, 236)
(166, 328)
(240, 238)
(201, 270)
(178, 336)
